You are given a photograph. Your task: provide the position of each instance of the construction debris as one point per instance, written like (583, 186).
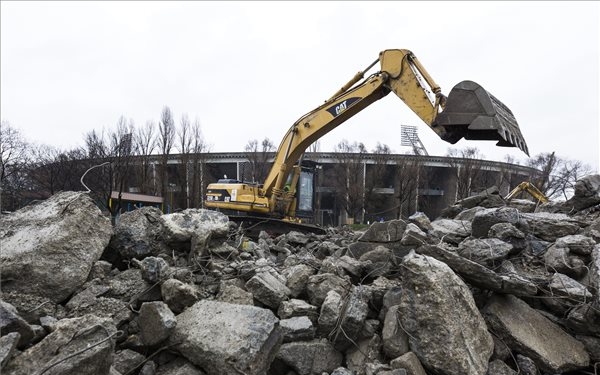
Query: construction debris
(485, 289)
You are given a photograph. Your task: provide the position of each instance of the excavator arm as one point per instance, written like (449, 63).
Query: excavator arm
(469, 111)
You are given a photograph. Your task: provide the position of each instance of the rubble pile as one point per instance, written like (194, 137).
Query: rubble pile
(490, 287)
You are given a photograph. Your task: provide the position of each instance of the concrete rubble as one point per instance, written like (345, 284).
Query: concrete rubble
(489, 287)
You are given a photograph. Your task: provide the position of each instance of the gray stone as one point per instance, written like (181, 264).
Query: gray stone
(8, 346)
(197, 223)
(583, 319)
(437, 310)
(298, 328)
(178, 295)
(139, 233)
(48, 322)
(223, 338)
(357, 249)
(410, 363)
(468, 214)
(486, 251)
(563, 285)
(526, 365)
(11, 321)
(395, 340)
(149, 368)
(53, 355)
(129, 286)
(413, 235)
(310, 358)
(154, 269)
(527, 331)
(48, 249)
(156, 322)
(559, 259)
(319, 285)
(549, 226)
(330, 313)
(485, 219)
(421, 220)
(586, 193)
(498, 367)
(451, 231)
(351, 266)
(479, 275)
(577, 244)
(268, 289)
(353, 312)
(233, 294)
(298, 307)
(297, 238)
(180, 366)
(297, 277)
(367, 351)
(398, 371)
(389, 231)
(592, 346)
(594, 274)
(508, 233)
(477, 200)
(377, 262)
(126, 360)
(39, 333)
(100, 270)
(342, 371)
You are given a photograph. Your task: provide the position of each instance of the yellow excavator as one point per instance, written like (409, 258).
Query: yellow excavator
(469, 111)
(530, 188)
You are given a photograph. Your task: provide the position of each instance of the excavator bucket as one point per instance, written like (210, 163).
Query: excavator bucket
(475, 114)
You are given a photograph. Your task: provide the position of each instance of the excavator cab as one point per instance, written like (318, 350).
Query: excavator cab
(473, 113)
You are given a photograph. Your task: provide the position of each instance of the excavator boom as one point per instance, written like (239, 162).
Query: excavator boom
(469, 111)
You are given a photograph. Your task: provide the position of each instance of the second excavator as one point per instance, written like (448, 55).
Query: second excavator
(469, 112)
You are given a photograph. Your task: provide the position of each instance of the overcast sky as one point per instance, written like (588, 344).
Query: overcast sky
(248, 70)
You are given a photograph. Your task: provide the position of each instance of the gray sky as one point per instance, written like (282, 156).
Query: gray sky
(248, 70)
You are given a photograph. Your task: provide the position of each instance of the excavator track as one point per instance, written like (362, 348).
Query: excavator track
(253, 225)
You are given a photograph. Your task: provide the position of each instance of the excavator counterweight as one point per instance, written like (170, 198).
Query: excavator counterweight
(475, 114)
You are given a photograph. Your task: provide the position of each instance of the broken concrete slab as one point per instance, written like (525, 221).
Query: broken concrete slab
(127, 360)
(297, 277)
(298, 328)
(527, 331)
(199, 223)
(498, 367)
(138, 234)
(563, 285)
(179, 295)
(364, 352)
(354, 309)
(48, 249)
(485, 219)
(308, 357)
(153, 269)
(8, 346)
(268, 289)
(298, 307)
(395, 339)
(156, 322)
(410, 362)
(437, 310)
(223, 338)
(451, 231)
(479, 275)
(231, 293)
(549, 226)
(586, 193)
(319, 285)
(577, 244)
(11, 321)
(53, 355)
(486, 251)
(388, 231)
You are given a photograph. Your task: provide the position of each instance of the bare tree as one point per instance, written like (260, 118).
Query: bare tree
(121, 147)
(185, 144)
(144, 146)
(199, 170)
(258, 156)
(166, 137)
(14, 156)
(348, 176)
(409, 173)
(378, 175)
(544, 179)
(466, 165)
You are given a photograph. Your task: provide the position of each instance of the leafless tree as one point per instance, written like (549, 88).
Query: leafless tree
(409, 173)
(258, 155)
(378, 175)
(185, 143)
(166, 138)
(200, 171)
(144, 146)
(544, 179)
(466, 166)
(121, 152)
(14, 156)
(348, 177)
